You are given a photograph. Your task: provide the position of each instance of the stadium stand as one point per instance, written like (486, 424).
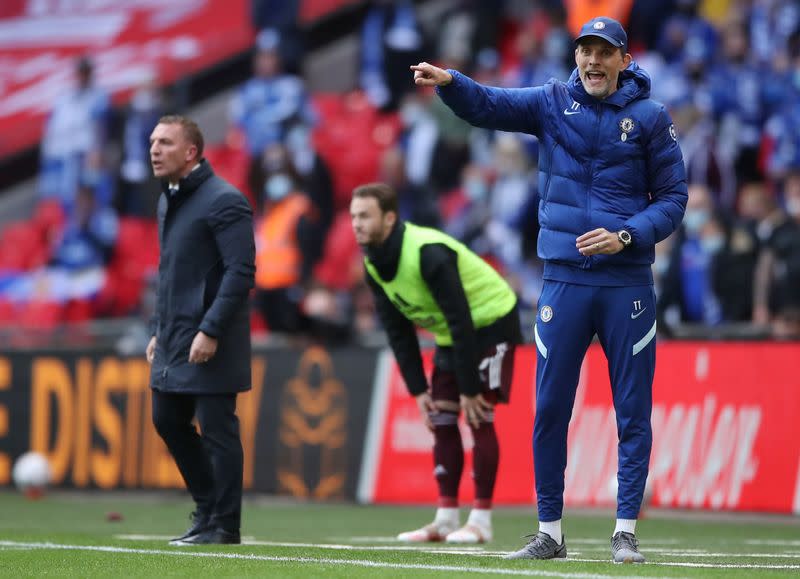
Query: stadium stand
(733, 133)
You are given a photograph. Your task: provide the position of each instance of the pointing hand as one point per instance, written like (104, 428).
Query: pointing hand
(428, 75)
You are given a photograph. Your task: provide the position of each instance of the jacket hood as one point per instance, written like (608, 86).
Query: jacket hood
(633, 84)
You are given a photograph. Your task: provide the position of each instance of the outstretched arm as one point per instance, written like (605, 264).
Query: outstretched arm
(515, 110)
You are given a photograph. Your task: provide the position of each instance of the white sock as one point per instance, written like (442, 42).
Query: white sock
(552, 528)
(446, 515)
(626, 526)
(481, 518)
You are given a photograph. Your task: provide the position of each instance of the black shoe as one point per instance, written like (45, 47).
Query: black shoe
(199, 523)
(541, 546)
(214, 536)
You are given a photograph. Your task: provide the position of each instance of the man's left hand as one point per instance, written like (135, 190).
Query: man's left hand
(599, 241)
(203, 349)
(475, 409)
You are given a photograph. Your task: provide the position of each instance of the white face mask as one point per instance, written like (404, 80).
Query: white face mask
(711, 244)
(277, 187)
(793, 206)
(476, 189)
(695, 219)
(411, 113)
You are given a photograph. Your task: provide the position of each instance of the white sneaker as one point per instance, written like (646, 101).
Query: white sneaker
(470, 534)
(431, 533)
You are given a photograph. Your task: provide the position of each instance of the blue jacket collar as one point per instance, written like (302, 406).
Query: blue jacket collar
(634, 84)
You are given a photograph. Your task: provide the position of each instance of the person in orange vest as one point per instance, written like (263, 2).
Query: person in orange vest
(280, 259)
(581, 11)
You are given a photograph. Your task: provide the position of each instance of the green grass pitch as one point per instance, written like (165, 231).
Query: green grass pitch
(68, 535)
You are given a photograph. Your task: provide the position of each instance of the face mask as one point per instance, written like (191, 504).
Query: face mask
(712, 243)
(695, 219)
(298, 139)
(475, 189)
(411, 113)
(277, 187)
(793, 207)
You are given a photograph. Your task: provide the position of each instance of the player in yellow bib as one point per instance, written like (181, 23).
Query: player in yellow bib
(422, 277)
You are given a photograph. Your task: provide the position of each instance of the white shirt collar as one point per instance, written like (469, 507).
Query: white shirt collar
(174, 187)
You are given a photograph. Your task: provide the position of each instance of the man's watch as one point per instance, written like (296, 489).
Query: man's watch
(624, 237)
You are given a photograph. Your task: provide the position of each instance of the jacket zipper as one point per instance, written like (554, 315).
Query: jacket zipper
(587, 261)
(546, 191)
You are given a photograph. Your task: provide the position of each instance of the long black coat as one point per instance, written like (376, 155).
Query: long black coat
(205, 273)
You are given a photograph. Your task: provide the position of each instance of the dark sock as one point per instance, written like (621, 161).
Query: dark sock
(485, 457)
(448, 458)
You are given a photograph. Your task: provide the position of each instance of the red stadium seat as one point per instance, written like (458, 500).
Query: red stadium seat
(79, 310)
(40, 315)
(22, 247)
(48, 217)
(8, 313)
(135, 258)
(232, 163)
(351, 138)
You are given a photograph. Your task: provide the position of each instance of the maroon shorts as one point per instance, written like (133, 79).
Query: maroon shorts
(496, 370)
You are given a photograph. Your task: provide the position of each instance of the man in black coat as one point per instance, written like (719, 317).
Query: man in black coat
(200, 346)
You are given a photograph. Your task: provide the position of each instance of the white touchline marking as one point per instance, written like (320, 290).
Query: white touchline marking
(134, 537)
(754, 555)
(422, 547)
(702, 553)
(696, 565)
(366, 539)
(140, 537)
(315, 561)
(603, 542)
(481, 552)
(773, 542)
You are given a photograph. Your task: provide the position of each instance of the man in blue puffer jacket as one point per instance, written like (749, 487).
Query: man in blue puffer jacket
(612, 185)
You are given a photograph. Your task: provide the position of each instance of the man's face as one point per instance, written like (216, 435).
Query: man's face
(267, 64)
(171, 155)
(599, 64)
(370, 225)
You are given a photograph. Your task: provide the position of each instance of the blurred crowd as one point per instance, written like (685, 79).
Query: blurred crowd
(727, 70)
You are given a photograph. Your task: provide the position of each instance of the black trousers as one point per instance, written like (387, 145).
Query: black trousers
(211, 463)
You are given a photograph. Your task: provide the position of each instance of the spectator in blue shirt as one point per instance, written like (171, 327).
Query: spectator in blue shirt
(267, 104)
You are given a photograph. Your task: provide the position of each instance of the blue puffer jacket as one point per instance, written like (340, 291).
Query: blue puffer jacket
(612, 163)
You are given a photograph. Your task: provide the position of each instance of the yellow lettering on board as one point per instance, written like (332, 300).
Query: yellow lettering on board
(50, 379)
(5, 384)
(247, 407)
(83, 423)
(137, 380)
(107, 466)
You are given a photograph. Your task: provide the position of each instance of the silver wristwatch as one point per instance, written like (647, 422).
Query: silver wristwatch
(624, 237)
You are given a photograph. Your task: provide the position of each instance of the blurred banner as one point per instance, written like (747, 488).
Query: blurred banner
(129, 42)
(89, 413)
(726, 423)
(338, 424)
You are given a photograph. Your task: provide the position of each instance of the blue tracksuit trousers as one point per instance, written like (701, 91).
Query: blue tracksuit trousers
(624, 319)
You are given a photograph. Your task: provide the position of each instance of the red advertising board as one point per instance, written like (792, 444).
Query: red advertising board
(129, 41)
(726, 424)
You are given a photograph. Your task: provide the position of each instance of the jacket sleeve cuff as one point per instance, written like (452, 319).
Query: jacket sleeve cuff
(457, 80)
(209, 330)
